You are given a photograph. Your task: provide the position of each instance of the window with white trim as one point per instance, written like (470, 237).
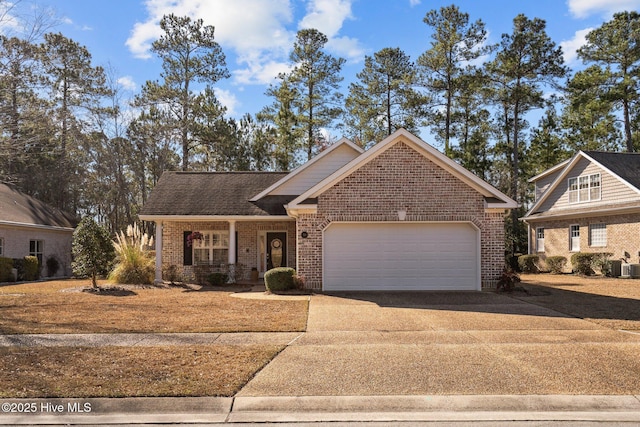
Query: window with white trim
(598, 235)
(540, 239)
(212, 249)
(585, 188)
(36, 249)
(574, 238)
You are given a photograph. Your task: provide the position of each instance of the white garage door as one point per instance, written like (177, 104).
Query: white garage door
(401, 256)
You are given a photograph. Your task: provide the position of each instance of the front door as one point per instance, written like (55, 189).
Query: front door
(276, 250)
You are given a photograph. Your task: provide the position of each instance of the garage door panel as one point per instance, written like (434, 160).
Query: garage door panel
(401, 256)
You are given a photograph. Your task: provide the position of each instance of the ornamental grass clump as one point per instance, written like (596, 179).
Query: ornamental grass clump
(134, 263)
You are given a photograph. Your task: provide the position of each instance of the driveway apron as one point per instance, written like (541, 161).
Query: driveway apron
(452, 343)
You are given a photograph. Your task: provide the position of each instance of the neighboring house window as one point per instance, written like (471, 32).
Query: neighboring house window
(584, 188)
(1, 246)
(598, 235)
(36, 249)
(213, 249)
(540, 239)
(574, 238)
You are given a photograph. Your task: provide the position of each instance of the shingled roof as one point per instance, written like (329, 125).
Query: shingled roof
(625, 165)
(214, 194)
(19, 208)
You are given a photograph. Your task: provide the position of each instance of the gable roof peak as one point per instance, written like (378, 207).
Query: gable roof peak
(404, 136)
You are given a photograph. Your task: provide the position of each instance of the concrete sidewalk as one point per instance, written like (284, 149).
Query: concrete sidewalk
(146, 339)
(212, 410)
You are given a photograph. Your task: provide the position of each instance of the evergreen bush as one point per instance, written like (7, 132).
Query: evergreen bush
(279, 279)
(528, 263)
(582, 263)
(31, 268)
(556, 264)
(6, 265)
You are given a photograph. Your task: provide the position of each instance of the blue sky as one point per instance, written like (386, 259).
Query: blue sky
(257, 35)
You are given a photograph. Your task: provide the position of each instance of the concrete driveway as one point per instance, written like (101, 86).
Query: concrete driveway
(451, 344)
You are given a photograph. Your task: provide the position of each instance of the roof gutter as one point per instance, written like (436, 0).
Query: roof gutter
(184, 218)
(36, 226)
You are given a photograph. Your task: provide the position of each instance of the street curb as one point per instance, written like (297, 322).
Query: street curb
(323, 409)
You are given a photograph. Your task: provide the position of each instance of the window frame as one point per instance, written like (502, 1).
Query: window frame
(1, 246)
(573, 227)
(212, 241)
(601, 240)
(539, 247)
(584, 188)
(38, 249)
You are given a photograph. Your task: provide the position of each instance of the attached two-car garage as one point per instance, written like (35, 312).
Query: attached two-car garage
(401, 256)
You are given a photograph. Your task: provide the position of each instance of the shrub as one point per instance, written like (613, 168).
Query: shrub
(6, 264)
(602, 262)
(218, 279)
(52, 266)
(279, 279)
(18, 264)
(507, 281)
(134, 264)
(298, 282)
(31, 268)
(528, 263)
(556, 264)
(172, 274)
(581, 262)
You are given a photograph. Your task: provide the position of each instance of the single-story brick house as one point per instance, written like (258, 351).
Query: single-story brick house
(589, 203)
(31, 227)
(399, 216)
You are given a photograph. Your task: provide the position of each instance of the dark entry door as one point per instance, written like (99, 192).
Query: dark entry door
(276, 250)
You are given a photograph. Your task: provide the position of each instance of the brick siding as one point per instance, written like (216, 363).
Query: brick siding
(173, 246)
(400, 179)
(623, 237)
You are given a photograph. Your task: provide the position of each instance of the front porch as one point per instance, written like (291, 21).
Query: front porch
(236, 247)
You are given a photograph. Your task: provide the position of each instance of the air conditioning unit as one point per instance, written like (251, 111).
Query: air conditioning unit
(625, 271)
(635, 271)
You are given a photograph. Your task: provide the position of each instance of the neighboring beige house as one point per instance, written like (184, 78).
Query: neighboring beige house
(400, 216)
(31, 227)
(590, 203)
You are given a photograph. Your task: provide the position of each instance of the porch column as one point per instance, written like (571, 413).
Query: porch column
(232, 251)
(232, 242)
(158, 278)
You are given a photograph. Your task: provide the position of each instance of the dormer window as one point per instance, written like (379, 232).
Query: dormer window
(585, 188)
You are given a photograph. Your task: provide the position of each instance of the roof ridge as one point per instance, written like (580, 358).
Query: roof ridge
(226, 172)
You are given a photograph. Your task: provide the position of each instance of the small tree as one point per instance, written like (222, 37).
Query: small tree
(92, 250)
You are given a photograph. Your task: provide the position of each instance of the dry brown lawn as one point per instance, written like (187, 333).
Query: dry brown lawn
(59, 307)
(613, 303)
(205, 370)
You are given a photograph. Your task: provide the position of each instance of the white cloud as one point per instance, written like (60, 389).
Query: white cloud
(127, 83)
(413, 3)
(262, 71)
(569, 47)
(347, 47)
(229, 100)
(256, 31)
(584, 8)
(249, 27)
(328, 17)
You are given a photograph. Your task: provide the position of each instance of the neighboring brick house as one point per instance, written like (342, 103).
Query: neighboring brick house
(400, 216)
(590, 203)
(31, 227)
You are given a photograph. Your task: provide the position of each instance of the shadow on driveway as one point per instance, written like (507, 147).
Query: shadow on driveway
(624, 313)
